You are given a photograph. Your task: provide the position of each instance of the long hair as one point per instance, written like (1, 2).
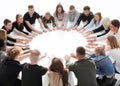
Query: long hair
(100, 16)
(56, 12)
(21, 24)
(57, 66)
(113, 42)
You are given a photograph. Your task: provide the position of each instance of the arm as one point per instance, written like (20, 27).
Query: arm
(41, 23)
(45, 25)
(106, 31)
(79, 20)
(53, 21)
(76, 17)
(98, 29)
(90, 25)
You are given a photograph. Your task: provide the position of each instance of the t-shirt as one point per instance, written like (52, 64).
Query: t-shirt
(31, 19)
(9, 70)
(8, 31)
(32, 75)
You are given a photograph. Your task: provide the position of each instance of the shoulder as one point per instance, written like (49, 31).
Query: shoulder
(91, 13)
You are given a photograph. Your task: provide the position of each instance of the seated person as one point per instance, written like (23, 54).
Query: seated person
(31, 72)
(104, 67)
(2, 49)
(9, 29)
(71, 17)
(58, 75)
(84, 69)
(19, 25)
(113, 51)
(10, 68)
(48, 21)
(59, 16)
(29, 20)
(85, 17)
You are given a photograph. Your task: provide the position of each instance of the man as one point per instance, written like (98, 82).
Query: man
(72, 17)
(84, 69)
(29, 19)
(31, 72)
(85, 17)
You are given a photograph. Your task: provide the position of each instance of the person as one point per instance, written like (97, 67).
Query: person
(2, 49)
(84, 69)
(85, 17)
(71, 17)
(59, 16)
(58, 75)
(19, 25)
(31, 72)
(9, 29)
(10, 68)
(29, 20)
(48, 20)
(104, 67)
(113, 51)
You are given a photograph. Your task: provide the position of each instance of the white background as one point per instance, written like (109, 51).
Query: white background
(9, 8)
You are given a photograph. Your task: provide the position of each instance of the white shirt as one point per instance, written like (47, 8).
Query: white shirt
(114, 55)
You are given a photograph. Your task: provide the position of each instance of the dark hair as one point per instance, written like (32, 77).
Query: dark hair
(2, 43)
(86, 8)
(6, 21)
(56, 12)
(57, 66)
(30, 6)
(72, 7)
(80, 51)
(116, 23)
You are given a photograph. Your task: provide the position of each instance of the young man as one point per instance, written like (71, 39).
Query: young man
(85, 17)
(30, 18)
(31, 72)
(9, 29)
(71, 17)
(84, 69)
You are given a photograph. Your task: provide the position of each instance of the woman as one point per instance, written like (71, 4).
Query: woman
(10, 68)
(59, 16)
(48, 21)
(114, 51)
(58, 76)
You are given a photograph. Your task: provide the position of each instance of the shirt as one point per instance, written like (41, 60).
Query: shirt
(31, 19)
(32, 75)
(8, 31)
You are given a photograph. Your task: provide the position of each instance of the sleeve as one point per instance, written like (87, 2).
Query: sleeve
(10, 44)
(66, 19)
(76, 17)
(53, 21)
(43, 70)
(106, 31)
(43, 20)
(37, 15)
(98, 29)
(70, 66)
(26, 18)
(90, 25)
(11, 39)
(79, 20)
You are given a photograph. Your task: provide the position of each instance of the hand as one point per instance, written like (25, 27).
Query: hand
(67, 58)
(44, 30)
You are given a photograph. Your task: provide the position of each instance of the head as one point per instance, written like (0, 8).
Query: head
(31, 9)
(72, 9)
(106, 23)
(80, 53)
(112, 42)
(86, 10)
(97, 17)
(8, 24)
(59, 9)
(14, 52)
(2, 44)
(57, 66)
(47, 16)
(99, 50)
(19, 18)
(114, 26)
(34, 56)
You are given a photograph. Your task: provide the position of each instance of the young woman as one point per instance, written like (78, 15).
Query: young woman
(48, 21)
(114, 51)
(58, 76)
(59, 16)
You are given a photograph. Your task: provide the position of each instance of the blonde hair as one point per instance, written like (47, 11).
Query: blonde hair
(13, 52)
(100, 50)
(34, 55)
(113, 42)
(106, 23)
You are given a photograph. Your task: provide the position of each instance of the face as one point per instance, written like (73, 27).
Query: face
(72, 11)
(59, 9)
(112, 28)
(96, 17)
(20, 19)
(86, 12)
(8, 26)
(31, 10)
(47, 17)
